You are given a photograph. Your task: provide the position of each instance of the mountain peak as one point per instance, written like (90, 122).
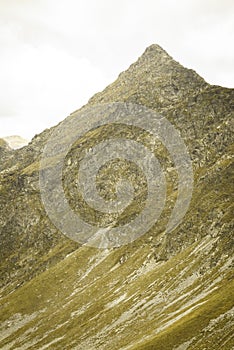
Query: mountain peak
(15, 141)
(156, 51)
(155, 80)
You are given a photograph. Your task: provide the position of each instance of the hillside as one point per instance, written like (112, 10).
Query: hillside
(162, 290)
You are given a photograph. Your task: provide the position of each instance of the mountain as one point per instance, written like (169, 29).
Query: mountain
(163, 290)
(15, 141)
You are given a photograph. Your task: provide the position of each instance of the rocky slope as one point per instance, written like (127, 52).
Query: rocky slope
(162, 291)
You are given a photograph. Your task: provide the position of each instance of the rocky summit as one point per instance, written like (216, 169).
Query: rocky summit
(162, 291)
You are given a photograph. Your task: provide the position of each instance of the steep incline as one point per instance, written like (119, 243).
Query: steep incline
(163, 291)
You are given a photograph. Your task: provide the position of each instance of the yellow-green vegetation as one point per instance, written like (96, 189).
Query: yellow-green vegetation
(95, 294)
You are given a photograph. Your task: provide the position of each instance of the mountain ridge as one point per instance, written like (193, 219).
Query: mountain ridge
(15, 141)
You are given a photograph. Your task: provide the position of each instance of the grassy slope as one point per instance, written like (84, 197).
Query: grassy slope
(152, 300)
(124, 299)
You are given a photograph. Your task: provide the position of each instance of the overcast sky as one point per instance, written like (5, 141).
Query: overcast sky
(55, 54)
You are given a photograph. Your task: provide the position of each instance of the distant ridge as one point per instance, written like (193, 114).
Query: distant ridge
(15, 141)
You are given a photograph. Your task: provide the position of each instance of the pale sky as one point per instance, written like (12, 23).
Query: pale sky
(55, 54)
